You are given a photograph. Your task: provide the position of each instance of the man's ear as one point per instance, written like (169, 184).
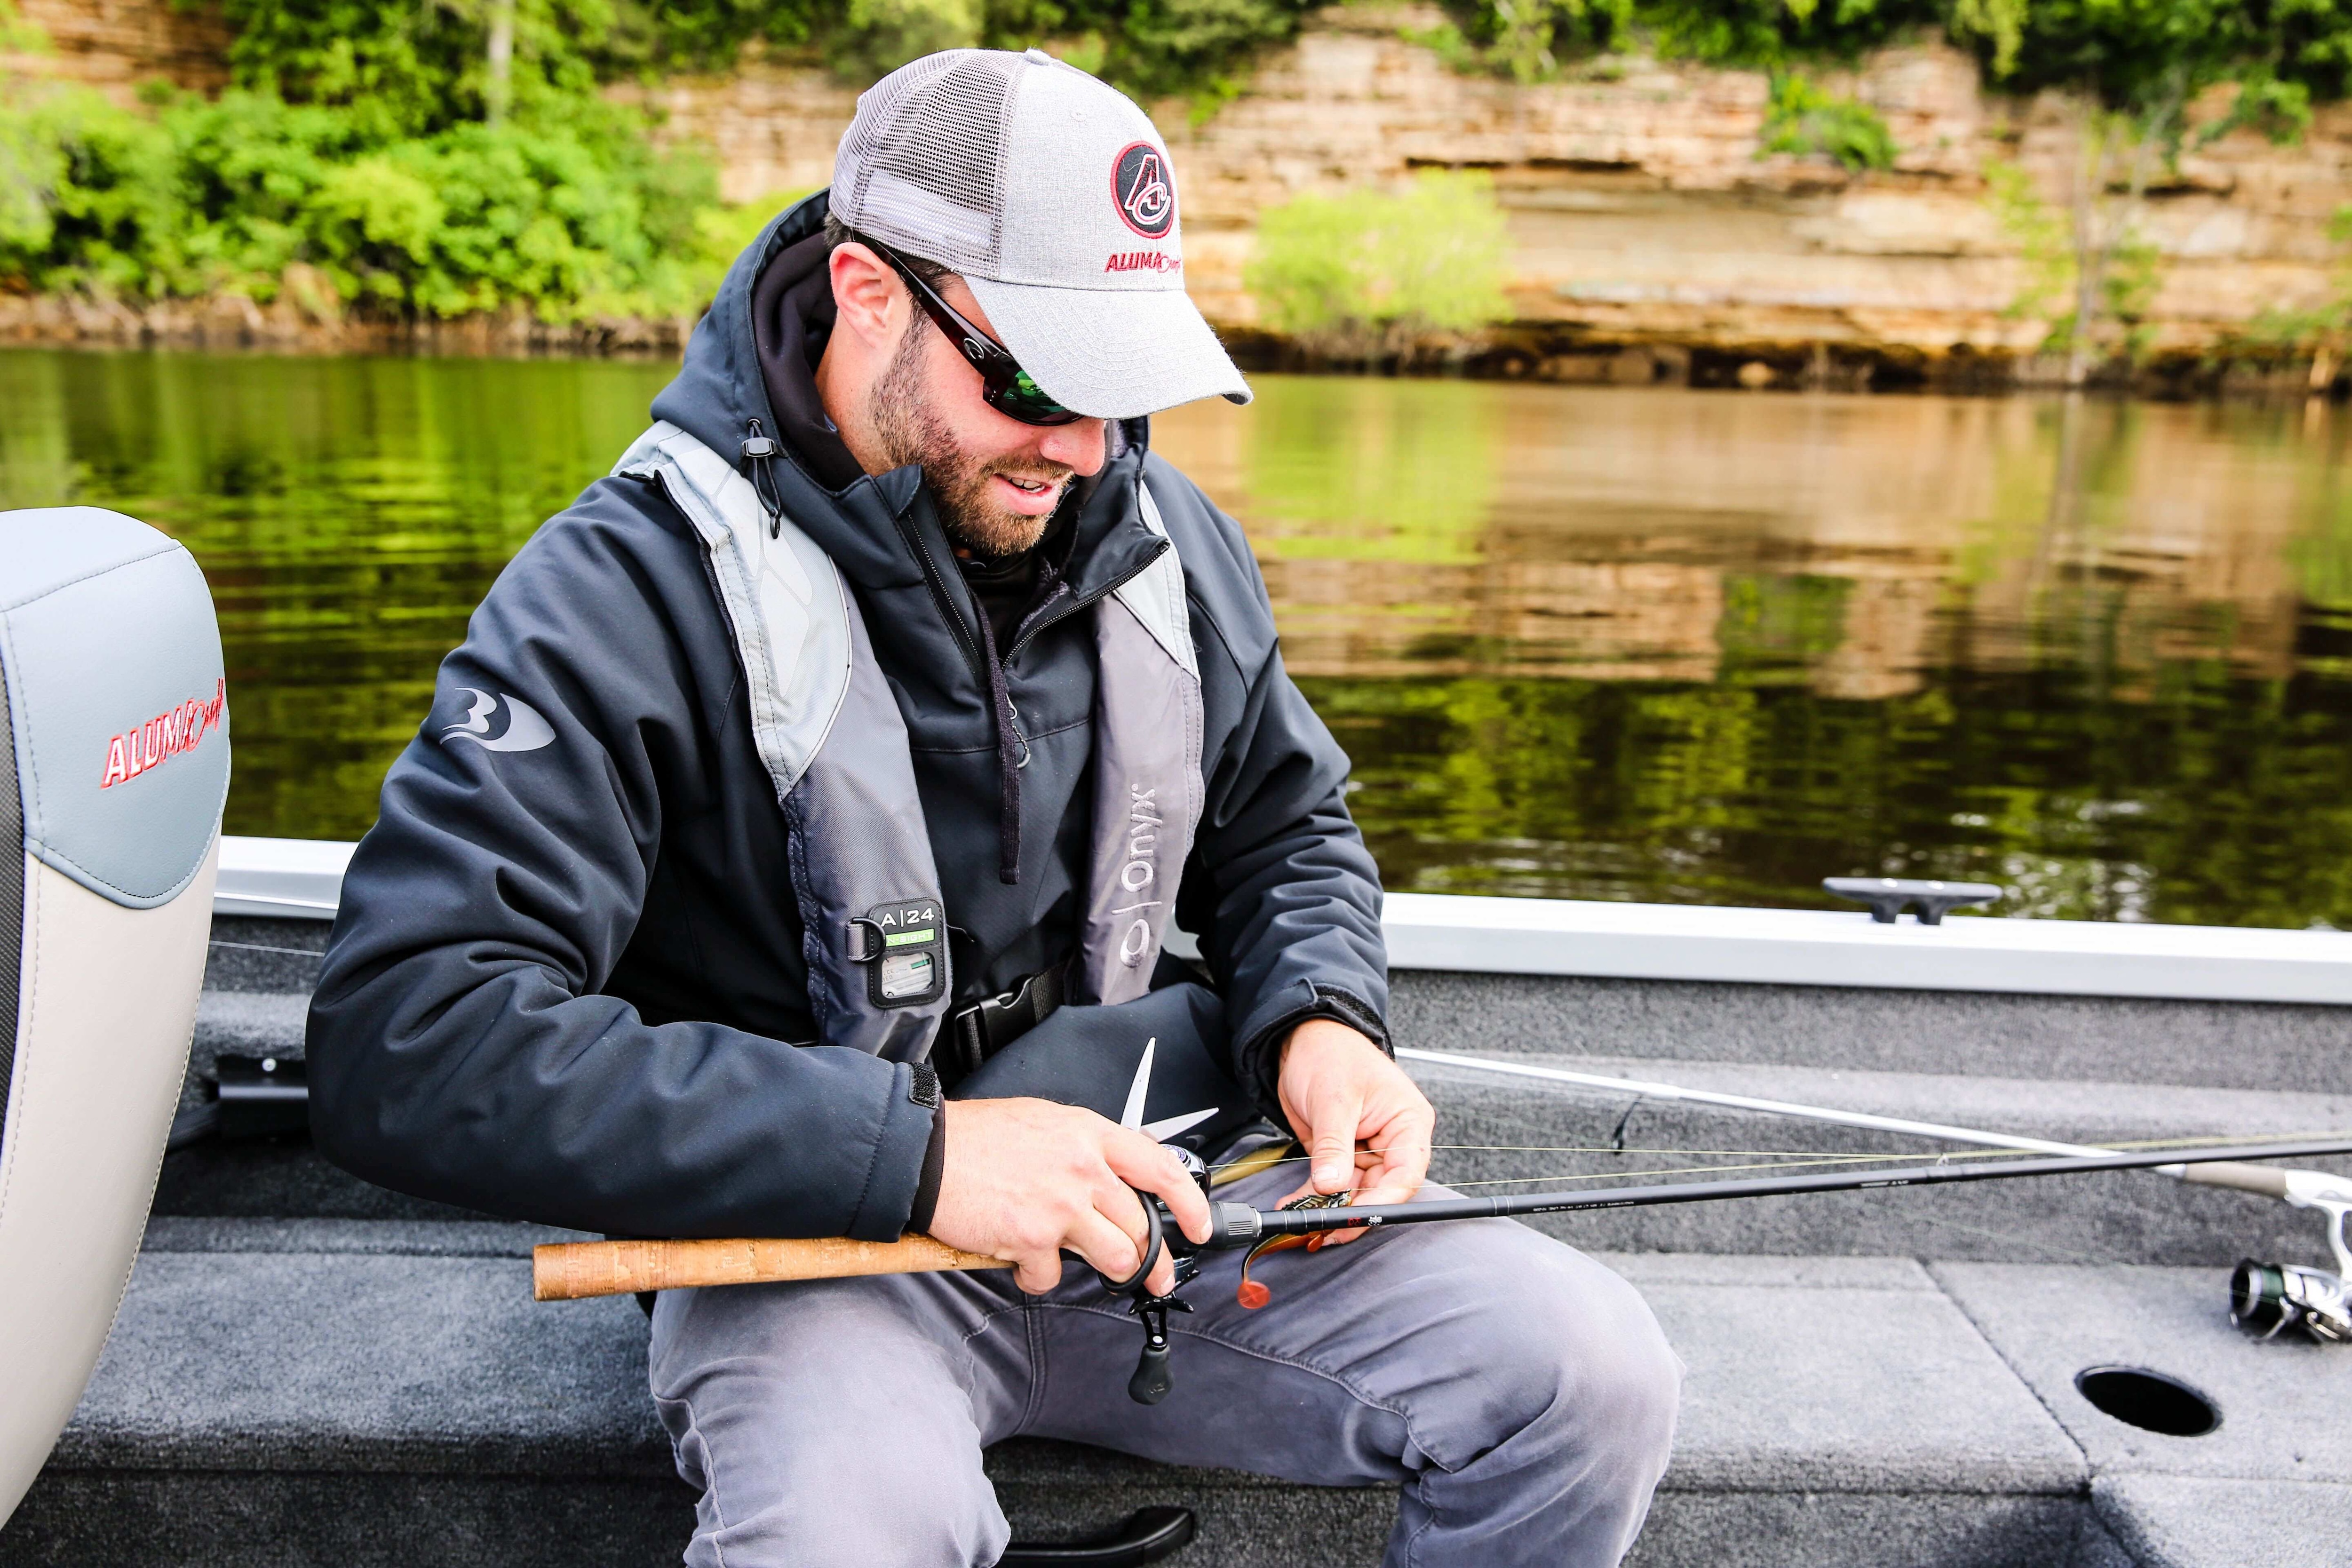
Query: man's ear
(867, 298)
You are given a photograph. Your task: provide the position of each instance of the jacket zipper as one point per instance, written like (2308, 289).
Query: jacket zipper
(1028, 634)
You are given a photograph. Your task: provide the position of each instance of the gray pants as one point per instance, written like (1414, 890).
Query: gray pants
(1518, 1392)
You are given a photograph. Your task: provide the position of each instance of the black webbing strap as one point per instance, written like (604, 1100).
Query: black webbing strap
(12, 899)
(978, 1030)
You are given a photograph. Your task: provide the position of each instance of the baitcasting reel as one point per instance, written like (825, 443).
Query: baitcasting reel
(2267, 1299)
(1152, 1378)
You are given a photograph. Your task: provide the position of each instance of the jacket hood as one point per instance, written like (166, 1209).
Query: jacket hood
(718, 390)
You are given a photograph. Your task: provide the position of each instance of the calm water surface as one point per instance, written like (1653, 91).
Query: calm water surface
(1583, 643)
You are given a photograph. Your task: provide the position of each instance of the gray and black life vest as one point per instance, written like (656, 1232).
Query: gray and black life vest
(833, 742)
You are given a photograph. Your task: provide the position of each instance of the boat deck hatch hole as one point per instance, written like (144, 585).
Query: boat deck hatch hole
(2148, 1400)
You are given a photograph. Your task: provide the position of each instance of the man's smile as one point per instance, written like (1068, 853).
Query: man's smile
(1026, 495)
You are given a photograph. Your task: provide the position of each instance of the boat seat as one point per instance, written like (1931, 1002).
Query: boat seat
(113, 768)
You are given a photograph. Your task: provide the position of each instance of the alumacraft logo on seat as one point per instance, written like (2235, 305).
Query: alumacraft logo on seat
(163, 737)
(525, 730)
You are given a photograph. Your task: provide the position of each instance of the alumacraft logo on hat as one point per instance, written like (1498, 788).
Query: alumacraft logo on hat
(1146, 195)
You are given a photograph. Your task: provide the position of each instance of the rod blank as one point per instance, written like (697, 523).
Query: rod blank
(2268, 1183)
(1308, 1222)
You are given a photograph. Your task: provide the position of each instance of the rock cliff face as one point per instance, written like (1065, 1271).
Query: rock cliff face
(115, 44)
(1644, 214)
(1652, 240)
(1649, 231)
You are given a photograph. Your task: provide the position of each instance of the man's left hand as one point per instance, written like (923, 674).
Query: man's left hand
(1366, 1126)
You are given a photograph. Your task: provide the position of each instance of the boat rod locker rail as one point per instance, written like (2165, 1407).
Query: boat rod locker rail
(248, 1097)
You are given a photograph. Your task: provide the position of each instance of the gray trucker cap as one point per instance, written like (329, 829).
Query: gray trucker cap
(1052, 195)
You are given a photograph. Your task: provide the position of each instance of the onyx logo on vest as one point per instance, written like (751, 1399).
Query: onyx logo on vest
(1143, 825)
(1146, 195)
(524, 729)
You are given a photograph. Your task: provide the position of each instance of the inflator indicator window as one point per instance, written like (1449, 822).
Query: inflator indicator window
(906, 976)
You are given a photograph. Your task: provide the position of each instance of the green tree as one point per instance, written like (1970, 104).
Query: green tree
(1803, 118)
(1363, 274)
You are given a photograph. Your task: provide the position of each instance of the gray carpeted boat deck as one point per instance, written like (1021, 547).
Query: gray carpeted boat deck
(308, 1371)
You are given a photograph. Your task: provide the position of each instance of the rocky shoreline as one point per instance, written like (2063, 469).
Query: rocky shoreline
(1651, 241)
(1517, 351)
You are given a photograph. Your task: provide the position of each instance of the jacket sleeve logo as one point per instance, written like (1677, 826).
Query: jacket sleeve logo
(1145, 193)
(163, 737)
(524, 729)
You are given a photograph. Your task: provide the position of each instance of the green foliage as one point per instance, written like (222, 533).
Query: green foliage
(876, 36)
(1152, 49)
(1533, 40)
(19, 36)
(420, 64)
(1365, 270)
(2044, 241)
(32, 167)
(202, 197)
(2320, 330)
(2127, 52)
(412, 70)
(1175, 47)
(356, 146)
(1803, 118)
(2096, 261)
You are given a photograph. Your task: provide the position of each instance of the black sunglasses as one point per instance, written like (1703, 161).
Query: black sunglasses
(1004, 385)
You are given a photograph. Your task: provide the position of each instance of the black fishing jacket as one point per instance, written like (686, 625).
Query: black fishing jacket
(567, 979)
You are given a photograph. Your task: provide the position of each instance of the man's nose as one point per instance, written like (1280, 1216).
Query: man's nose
(1077, 446)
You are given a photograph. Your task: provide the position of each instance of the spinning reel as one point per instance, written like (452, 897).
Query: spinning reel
(2267, 1299)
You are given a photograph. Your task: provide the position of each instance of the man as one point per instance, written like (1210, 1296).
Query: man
(890, 674)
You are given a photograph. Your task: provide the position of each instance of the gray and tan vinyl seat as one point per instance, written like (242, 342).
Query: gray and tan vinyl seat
(113, 766)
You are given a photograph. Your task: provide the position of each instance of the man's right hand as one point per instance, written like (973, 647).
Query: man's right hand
(1027, 1179)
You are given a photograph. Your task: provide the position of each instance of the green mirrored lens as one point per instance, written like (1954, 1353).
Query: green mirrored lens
(1030, 398)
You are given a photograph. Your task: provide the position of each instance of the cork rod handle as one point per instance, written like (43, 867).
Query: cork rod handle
(570, 1272)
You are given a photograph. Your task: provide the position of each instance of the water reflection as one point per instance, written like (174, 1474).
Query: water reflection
(1582, 643)
(1699, 648)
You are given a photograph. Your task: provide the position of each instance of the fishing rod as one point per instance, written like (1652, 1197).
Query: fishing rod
(1647, 1089)
(2267, 1298)
(1239, 1225)
(569, 1270)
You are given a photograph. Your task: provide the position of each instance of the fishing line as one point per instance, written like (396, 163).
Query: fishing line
(1809, 1156)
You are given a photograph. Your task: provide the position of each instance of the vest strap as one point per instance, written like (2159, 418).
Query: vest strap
(978, 1030)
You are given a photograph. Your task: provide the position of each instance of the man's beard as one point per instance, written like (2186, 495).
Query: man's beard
(911, 431)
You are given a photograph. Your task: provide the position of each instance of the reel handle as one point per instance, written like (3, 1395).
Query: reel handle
(1153, 1377)
(1155, 1242)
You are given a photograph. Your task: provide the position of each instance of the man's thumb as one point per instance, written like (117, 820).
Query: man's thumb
(1335, 1155)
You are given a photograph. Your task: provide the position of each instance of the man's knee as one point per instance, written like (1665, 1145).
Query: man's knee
(1571, 1353)
(784, 1485)
(820, 1432)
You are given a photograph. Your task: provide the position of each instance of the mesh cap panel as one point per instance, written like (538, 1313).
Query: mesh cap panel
(922, 162)
(1053, 194)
